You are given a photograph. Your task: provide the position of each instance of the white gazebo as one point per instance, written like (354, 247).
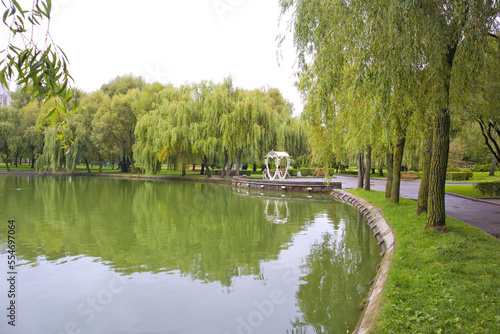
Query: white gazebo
(280, 160)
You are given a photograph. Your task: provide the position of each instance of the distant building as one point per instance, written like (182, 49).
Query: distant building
(5, 98)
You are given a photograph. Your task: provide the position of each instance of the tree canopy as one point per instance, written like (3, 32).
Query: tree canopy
(368, 68)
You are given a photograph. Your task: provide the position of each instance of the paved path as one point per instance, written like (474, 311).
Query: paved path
(483, 214)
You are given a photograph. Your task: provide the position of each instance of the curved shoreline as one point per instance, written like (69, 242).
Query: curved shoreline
(381, 230)
(385, 236)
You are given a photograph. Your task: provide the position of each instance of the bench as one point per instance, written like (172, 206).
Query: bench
(409, 176)
(318, 173)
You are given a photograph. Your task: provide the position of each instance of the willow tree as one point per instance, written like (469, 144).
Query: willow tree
(102, 136)
(10, 136)
(205, 130)
(146, 148)
(221, 101)
(176, 113)
(406, 48)
(242, 129)
(123, 121)
(32, 133)
(481, 100)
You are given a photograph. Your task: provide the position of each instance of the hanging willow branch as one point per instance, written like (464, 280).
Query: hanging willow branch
(42, 70)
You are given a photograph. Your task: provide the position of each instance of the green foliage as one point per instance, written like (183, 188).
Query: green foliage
(482, 168)
(306, 171)
(469, 191)
(10, 135)
(208, 120)
(122, 84)
(489, 188)
(438, 282)
(43, 71)
(378, 72)
(59, 152)
(459, 176)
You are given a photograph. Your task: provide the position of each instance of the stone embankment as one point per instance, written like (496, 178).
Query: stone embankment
(385, 236)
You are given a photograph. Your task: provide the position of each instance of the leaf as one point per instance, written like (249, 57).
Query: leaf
(18, 7)
(51, 113)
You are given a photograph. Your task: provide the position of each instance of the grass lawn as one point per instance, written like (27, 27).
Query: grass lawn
(438, 282)
(468, 191)
(484, 176)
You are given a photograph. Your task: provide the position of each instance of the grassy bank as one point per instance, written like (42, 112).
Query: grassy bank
(439, 282)
(468, 191)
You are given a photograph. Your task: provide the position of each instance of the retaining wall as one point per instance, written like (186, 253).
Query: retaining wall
(385, 236)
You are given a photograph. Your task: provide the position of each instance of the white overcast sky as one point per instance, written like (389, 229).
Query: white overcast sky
(175, 41)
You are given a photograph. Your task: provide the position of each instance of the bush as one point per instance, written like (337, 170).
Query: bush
(489, 188)
(306, 171)
(482, 168)
(459, 176)
(246, 172)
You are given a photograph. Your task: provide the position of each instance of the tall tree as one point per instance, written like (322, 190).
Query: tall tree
(102, 136)
(32, 132)
(403, 52)
(10, 136)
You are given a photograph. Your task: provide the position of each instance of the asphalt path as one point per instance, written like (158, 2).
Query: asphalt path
(483, 214)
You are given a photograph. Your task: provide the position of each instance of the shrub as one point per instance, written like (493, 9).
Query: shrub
(459, 176)
(306, 171)
(246, 172)
(482, 168)
(489, 188)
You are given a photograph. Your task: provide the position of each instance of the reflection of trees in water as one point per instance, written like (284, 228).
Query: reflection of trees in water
(339, 267)
(204, 231)
(207, 232)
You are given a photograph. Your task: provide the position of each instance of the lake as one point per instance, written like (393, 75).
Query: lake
(108, 255)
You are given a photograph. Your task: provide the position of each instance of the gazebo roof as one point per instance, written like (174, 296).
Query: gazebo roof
(277, 154)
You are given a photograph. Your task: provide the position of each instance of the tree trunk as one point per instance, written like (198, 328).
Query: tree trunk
(381, 168)
(360, 169)
(436, 214)
(224, 167)
(32, 156)
(254, 167)
(396, 170)
(205, 162)
(194, 167)
(389, 160)
(202, 172)
(6, 164)
(99, 158)
(87, 165)
(423, 191)
(131, 161)
(493, 165)
(368, 166)
(124, 163)
(238, 160)
(183, 168)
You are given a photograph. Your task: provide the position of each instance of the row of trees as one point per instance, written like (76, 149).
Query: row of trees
(377, 74)
(214, 123)
(128, 121)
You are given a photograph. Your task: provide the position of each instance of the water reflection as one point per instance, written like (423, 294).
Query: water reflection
(276, 211)
(207, 234)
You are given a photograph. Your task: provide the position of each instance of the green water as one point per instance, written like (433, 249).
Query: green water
(127, 256)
